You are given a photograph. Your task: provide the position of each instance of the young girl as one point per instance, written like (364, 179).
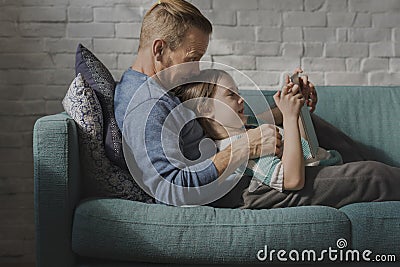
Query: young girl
(224, 121)
(285, 181)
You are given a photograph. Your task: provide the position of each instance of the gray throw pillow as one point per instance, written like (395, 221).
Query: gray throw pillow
(101, 177)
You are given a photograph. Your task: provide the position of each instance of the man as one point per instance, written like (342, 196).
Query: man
(175, 32)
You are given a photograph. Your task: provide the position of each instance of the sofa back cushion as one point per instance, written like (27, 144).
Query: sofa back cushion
(367, 114)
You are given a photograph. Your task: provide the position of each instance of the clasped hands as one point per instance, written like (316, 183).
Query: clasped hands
(266, 139)
(307, 89)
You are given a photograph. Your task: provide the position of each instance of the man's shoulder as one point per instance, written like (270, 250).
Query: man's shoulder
(133, 89)
(131, 75)
(130, 82)
(145, 95)
(152, 93)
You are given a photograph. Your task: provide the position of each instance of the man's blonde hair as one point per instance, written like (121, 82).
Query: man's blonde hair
(169, 20)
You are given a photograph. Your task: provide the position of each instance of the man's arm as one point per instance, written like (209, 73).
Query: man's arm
(255, 143)
(157, 146)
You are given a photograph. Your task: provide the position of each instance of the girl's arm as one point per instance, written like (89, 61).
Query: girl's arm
(290, 101)
(292, 158)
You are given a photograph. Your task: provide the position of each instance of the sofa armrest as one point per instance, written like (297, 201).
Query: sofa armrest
(56, 188)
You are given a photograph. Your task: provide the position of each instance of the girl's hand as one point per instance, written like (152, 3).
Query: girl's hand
(308, 89)
(289, 100)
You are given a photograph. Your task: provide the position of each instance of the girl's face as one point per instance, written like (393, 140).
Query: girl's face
(228, 104)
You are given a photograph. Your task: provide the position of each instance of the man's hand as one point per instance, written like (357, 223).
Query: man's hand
(264, 140)
(307, 89)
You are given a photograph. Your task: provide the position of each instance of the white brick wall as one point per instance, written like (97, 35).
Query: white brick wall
(338, 42)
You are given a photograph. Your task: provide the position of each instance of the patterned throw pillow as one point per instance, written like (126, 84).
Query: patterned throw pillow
(102, 82)
(101, 178)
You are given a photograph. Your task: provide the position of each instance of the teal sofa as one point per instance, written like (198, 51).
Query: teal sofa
(72, 231)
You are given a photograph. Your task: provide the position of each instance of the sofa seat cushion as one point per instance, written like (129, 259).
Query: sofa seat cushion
(134, 231)
(375, 226)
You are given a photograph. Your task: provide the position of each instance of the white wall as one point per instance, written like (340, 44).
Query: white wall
(338, 42)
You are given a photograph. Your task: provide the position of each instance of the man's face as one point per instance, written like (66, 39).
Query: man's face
(191, 50)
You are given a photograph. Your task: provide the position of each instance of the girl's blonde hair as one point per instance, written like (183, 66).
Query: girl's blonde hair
(169, 20)
(199, 93)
